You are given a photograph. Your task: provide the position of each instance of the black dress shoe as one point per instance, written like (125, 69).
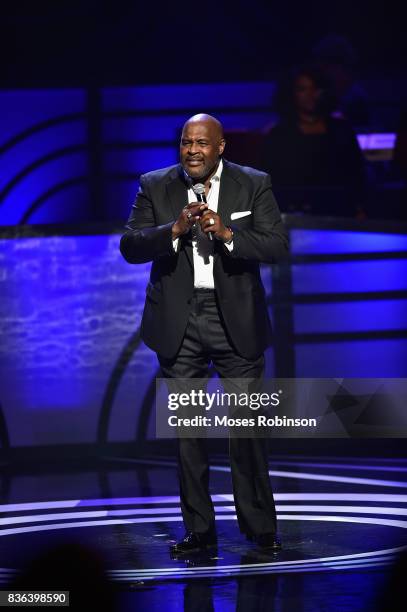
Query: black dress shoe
(194, 542)
(266, 541)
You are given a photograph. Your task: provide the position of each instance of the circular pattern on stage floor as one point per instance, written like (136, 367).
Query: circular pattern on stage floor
(321, 531)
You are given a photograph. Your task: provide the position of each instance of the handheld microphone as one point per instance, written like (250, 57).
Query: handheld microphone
(199, 191)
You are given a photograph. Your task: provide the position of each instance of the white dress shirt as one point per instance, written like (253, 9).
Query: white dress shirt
(202, 247)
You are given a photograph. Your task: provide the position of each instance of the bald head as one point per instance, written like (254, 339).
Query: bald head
(212, 123)
(202, 144)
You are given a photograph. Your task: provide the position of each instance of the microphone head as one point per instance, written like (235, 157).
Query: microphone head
(198, 188)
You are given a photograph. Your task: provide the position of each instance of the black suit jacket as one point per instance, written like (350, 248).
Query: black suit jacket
(258, 237)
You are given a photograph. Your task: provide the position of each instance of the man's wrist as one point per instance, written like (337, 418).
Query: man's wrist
(229, 236)
(175, 232)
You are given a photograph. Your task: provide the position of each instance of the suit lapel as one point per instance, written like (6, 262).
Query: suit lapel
(229, 192)
(177, 193)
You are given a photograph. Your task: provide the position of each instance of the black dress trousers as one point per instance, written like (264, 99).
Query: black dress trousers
(206, 341)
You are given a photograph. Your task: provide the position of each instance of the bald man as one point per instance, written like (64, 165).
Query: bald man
(206, 304)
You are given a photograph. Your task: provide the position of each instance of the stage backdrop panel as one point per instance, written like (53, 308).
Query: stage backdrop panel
(74, 370)
(43, 156)
(70, 307)
(349, 296)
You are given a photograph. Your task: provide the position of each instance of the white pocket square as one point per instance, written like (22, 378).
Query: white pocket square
(238, 215)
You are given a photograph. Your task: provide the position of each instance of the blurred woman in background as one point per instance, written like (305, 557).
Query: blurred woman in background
(313, 153)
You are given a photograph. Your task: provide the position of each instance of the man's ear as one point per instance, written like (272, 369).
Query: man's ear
(222, 145)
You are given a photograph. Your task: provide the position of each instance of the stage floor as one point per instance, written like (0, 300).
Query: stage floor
(342, 523)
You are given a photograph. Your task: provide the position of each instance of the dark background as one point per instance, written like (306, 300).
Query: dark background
(110, 43)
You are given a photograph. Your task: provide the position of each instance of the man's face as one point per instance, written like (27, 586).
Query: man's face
(200, 148)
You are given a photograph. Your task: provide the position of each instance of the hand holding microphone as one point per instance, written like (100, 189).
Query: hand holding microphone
(210, 221)
(189, 215)
(199, 191)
